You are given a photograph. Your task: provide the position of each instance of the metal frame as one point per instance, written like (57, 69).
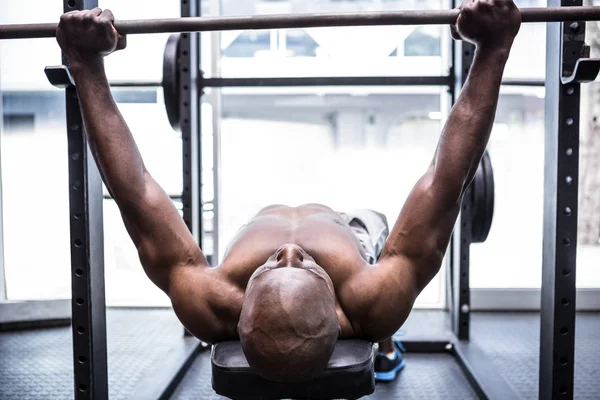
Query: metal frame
(189, 105)
(459, 306)
(3, 294)
(561, 183)
(87, 252)
(558, 293)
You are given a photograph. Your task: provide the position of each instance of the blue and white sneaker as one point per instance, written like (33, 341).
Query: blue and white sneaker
(387, 368)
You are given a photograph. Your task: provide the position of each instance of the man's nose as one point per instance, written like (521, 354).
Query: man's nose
(290, 253)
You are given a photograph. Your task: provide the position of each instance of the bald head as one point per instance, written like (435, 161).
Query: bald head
(288, 326)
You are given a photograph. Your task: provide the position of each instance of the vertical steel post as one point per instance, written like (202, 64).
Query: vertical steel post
(189, 65)
(87, 252)
(460, 305)
(565, 44)
(189, 106)
(3, 293)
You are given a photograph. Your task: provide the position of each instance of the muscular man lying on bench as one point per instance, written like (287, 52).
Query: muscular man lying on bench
(295, 279)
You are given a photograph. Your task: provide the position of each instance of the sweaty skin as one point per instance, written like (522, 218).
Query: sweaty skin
(371, 302)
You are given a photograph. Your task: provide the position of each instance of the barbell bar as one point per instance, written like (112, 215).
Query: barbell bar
(284, 21)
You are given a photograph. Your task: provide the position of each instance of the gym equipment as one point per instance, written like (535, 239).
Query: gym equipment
(349, 374)
(284, 21)
(482, 192)
(170, 82)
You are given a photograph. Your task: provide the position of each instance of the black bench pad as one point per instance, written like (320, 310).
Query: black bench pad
(349, 375)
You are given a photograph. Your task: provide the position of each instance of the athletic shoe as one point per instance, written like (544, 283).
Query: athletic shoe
(387, 368)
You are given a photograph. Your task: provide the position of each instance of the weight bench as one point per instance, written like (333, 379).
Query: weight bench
(349, 375)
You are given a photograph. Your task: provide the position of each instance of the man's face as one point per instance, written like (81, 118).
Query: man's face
(291, 256)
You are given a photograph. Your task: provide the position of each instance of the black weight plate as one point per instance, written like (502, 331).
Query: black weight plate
(170, 82)
(483, 200)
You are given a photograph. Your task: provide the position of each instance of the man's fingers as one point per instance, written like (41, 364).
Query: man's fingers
(107, 15)
(122, 43)
(454, 33)
(96, 11)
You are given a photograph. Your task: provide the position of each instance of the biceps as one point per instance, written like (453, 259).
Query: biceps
(424, 226)
(159, 233)
(384, 295)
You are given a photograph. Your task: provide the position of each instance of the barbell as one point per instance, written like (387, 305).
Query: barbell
(284, 21)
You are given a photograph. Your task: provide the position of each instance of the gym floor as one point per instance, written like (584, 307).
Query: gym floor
(37, 364)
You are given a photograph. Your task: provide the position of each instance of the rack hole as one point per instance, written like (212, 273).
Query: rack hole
(562, 390)
(82, 387)
(79, 301)
(77, 215)
(80, 330)
(78, 243)
(569, 152)
(570, 121)
(566, 271)
(566, 241)
(570, 90)
(71, 3)
(568, 180)
(567, 211)
(75, 156)
(565, 301)
(81, 359)
(79, 272)
(564, 360)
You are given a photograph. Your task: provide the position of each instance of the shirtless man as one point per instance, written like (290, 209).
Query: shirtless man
(295, 279)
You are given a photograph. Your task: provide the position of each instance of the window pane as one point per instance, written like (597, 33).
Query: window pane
(35, 194)
(512, 255)
(588, 241)
(334, 148)
(126, 281)
(143, 58)
(340, 51)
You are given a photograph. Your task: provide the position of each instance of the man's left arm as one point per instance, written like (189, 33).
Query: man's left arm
(416, 246)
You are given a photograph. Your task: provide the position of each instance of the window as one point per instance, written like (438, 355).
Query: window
(424, 41)
(340, 51)
(325, 145)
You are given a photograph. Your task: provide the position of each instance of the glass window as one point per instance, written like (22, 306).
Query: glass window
(35, 194)
(512, 255)
(424, 41)
(588, 241)
(143, 58)
(325, 145)
(340, 51)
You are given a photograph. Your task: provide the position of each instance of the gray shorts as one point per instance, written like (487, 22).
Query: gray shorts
(371, 230)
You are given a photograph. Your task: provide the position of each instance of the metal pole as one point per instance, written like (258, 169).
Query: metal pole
(286, 21)
(3, 295)
(189, 65)
(216, 103)
(565, 44)
(460, 307)
(87, 252)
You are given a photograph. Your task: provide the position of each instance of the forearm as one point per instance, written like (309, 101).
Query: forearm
(109, 138)
(467, 131)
